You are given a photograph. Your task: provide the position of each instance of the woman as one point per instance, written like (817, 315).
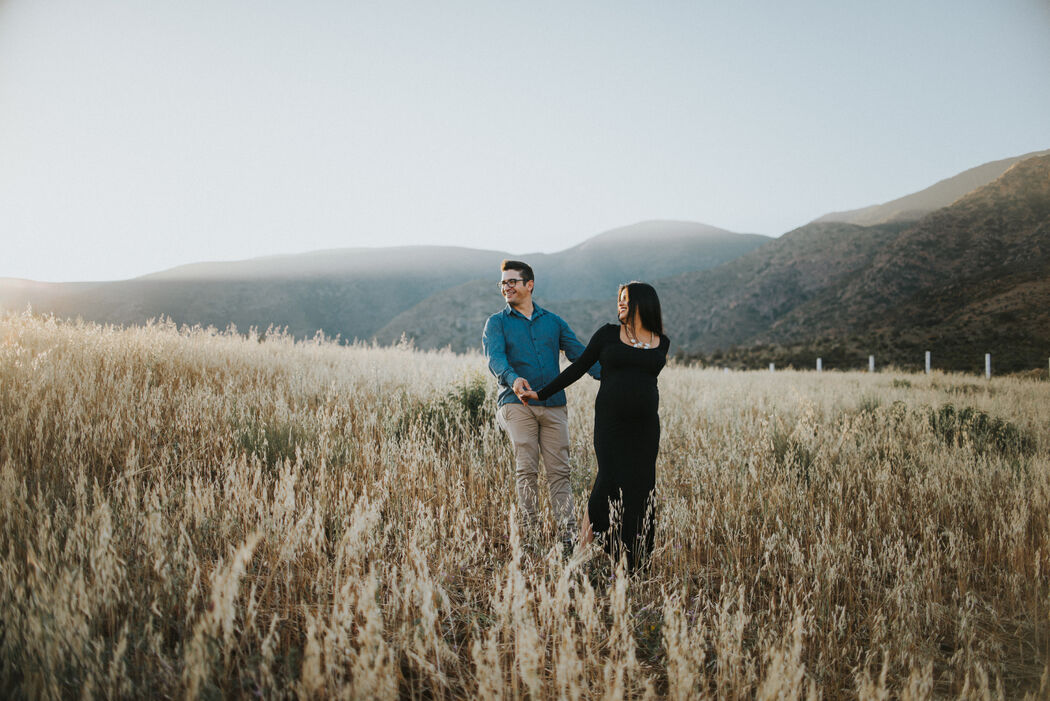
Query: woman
(626, 423)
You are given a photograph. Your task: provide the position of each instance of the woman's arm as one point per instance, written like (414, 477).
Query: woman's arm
(575, 371)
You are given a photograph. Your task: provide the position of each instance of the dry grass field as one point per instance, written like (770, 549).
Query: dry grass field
(188, 513)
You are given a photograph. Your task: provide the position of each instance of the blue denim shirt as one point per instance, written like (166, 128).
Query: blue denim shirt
(519, 347)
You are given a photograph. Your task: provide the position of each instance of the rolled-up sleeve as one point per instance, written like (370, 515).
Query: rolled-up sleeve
(494, 343)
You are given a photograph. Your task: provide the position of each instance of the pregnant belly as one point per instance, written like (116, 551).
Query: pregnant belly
(626, 402)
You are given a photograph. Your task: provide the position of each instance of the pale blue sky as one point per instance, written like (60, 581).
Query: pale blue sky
(139, 135)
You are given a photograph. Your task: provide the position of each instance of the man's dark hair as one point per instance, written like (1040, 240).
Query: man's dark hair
(642, 300)
(524, 268)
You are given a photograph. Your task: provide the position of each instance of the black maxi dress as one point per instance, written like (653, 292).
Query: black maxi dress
(626, 435)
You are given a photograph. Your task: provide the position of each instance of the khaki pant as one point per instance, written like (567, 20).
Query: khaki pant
(534, 430)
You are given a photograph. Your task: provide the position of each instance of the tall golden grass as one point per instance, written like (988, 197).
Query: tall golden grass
(201, 514)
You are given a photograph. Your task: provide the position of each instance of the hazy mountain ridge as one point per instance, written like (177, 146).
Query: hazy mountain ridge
(941, 194)
(336, 305)
(355, 293)
(968, 279)
(650, 249)
(348, 292)
(449, 261)
(829, 286)
(964, 279)
(578, 284)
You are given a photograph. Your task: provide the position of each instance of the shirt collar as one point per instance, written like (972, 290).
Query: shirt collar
(537, 311)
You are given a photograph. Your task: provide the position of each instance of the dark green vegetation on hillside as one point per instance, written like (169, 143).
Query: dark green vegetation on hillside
(907, 355)
(969, 279)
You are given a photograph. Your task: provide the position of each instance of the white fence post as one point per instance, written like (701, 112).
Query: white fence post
(772, 367)
(871, 363)
(927, 362)
(988, 365)
(820, 365)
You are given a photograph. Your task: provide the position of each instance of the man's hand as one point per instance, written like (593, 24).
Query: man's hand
(521, 385)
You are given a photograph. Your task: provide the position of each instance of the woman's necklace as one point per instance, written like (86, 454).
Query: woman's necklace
(634, 341)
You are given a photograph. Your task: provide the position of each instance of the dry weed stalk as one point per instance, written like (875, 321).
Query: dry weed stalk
(188, 512)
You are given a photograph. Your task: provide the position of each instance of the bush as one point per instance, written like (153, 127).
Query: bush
(790, 453)
(464, 411)
(966, 389)
(272, 441)
(869, 404)
(986, 433)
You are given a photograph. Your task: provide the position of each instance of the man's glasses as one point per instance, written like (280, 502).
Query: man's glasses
(509, 283)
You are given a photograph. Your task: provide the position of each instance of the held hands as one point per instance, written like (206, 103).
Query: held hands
(523, 390)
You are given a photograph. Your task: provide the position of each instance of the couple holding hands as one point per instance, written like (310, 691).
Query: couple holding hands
(522, 343)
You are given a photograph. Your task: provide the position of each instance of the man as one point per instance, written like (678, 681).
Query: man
(522, 344)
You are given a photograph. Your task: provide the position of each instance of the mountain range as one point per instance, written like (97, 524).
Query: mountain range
(357, 292)
(966, 279)
(960, 268)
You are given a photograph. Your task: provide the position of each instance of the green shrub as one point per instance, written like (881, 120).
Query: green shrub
(790, 453)
(869, 404)
(898, 411)
(966, 389)
(986, 433)
(465, 410)
(272, 441)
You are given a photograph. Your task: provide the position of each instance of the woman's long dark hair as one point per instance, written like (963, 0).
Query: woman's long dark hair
(642, 300)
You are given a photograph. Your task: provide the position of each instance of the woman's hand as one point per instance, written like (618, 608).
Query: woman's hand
(527, 395)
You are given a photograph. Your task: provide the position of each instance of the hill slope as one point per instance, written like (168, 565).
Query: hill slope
(650, 249)
(970, 278)
(357, 292)
(817, 290)
(740, 301)
(304, 293)
(579, 284)
(941, 194)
